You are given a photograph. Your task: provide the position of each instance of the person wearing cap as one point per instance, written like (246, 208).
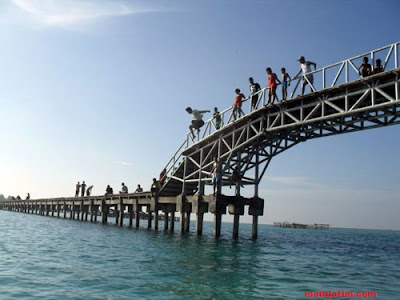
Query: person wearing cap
(197, 121)
(305, 68)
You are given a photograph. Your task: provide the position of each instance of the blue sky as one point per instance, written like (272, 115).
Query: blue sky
(96, 91)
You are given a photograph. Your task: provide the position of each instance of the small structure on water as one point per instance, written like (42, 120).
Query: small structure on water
(300, 225)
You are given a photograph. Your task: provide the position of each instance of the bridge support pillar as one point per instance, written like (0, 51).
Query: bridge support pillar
(236, 210)
(218, 208)
(137, 216)
(199, 223)
(121, 209)
(172, 222)
(156, 219)
(130, 210)
(65, 210)
(82, 210)
(217, 224)
(91, 209)
(149, 217)
(166, 216)
(199, 208)
(154, 207)
(185, 209)
(104, 212)
(256, 209)
(95, 211)
(187, 222)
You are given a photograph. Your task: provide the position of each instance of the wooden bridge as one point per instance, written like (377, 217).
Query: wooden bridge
(340, 102)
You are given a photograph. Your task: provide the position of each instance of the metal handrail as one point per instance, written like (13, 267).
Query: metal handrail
(343, 66)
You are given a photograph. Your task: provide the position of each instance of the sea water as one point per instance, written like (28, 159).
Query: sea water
(49, 258)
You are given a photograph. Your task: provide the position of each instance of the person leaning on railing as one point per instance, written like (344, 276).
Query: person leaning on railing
(254, 89)
(305, 67)
(237, 104)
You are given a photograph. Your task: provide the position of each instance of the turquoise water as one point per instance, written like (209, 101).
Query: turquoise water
(50, 258)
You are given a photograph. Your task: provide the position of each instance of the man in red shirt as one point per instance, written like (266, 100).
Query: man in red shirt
(237, 104)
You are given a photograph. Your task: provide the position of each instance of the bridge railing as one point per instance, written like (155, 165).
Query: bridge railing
(329, 76)
(348, 70)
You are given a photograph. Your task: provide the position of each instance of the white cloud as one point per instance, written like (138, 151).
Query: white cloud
(290, 180)
(72, 13)
(124, 163)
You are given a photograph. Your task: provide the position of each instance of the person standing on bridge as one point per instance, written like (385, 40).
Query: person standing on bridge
(155, 187)
(272, 79)
(83, 188)
(216, 172)
(237, 104)
(285, 83)
(77, 188)
(197, 121)
(254, 89)
(217, 117)
(365, 68)
(305, 67)
(378, 68)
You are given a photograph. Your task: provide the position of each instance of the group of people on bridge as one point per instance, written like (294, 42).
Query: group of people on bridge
(255, 88)
(305, 71)
(109, 190)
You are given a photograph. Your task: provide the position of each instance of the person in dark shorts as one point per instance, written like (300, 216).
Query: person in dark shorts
(272, 84)
(254, 89)
(217, 117)
(237, 104)
(285, 78)
(83, 189)
(197, 121)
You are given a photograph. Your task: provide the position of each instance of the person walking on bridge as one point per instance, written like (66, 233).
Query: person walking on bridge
(254, 89)
(305, 68)
(272, 79)
(237, 104)
(197, 121)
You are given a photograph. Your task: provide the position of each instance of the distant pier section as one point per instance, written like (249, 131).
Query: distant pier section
(300, 225)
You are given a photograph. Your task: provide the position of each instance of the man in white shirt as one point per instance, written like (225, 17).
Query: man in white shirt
(305, 67)
(197, 121)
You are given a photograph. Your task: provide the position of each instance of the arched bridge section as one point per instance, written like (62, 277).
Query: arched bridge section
(340, 102)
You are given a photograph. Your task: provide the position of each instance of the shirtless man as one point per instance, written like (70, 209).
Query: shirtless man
(216, 175)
